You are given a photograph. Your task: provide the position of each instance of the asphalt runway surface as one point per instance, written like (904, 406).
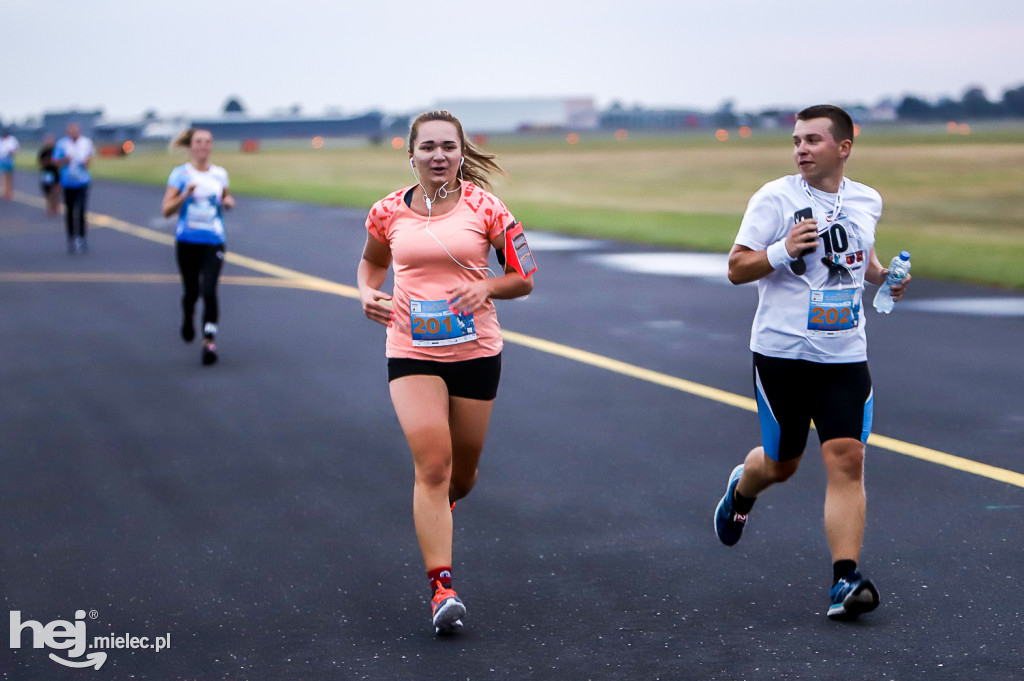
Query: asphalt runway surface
(259, 511)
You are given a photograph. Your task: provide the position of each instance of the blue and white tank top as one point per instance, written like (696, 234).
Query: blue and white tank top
(200, 219)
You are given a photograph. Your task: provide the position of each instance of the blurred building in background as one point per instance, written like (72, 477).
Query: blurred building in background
(523, 114)
(511, 115)
(241, 127)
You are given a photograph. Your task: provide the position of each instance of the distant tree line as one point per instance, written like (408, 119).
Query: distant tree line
(974, 106)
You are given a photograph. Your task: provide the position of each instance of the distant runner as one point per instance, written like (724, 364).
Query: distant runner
(198, 192)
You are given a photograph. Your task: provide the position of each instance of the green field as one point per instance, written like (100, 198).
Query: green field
(956, 202)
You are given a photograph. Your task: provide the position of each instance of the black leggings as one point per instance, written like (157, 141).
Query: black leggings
(200, 267)
(74, 210)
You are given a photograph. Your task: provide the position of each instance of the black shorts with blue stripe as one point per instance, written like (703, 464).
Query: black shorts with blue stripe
(793, 392)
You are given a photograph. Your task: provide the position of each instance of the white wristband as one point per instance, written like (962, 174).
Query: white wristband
(778, 255)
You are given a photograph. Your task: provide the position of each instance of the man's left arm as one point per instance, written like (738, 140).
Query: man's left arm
(876, 274)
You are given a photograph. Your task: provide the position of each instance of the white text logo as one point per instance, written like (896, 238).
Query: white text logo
(71, 636)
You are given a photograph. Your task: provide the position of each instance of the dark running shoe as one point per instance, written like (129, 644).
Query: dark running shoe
(209, 353)
(728, 523)
(851, 597)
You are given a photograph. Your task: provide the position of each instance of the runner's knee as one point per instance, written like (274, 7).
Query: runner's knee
(781, 471)
(462, 486)
(844, 457)
(434, 473)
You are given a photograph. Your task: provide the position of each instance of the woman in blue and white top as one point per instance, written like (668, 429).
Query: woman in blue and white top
(198, 192)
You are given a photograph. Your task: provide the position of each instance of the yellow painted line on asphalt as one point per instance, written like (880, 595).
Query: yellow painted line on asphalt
(100, 220)
(626, 369)
(142, 278)
(31, 200)
(86, 278)
(749, 404)
(300, 280)
(306, 280)
(948, 460)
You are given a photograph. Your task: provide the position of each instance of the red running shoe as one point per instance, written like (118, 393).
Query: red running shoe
(447, 610)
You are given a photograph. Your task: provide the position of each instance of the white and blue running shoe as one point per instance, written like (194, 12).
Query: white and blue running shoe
(728, 523)
(851, 597)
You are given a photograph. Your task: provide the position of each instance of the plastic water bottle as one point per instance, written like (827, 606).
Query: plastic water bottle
(898, 270)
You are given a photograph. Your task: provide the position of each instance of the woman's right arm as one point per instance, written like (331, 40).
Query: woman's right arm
(173, 198)
(373, 270)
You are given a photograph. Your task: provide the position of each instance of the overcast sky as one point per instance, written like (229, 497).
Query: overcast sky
(398, 56)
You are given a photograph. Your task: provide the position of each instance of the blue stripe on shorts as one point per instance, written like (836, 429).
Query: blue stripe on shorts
(869, 414)
(771, 432)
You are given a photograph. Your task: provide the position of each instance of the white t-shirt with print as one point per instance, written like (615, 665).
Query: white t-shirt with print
(817, 316)
(75, 173)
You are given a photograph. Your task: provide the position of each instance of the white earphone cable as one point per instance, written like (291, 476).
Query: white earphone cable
(443, 192)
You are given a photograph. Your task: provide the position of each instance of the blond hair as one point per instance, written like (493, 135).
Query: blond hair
(184, 139)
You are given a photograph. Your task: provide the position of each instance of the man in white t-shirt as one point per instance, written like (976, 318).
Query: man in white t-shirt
(73, 154)
(808, 242)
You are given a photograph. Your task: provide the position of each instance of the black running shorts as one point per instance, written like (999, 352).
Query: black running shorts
(792, 392)
(475, 379)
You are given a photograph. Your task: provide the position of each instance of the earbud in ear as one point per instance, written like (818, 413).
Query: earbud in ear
(462, 161)
(412, 164)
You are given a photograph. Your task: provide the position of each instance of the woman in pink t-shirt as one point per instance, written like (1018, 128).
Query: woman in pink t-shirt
(443, 340)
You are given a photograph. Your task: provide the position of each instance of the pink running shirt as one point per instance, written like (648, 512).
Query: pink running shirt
(424, 272)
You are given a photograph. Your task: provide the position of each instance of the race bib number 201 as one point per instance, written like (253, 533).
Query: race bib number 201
(434, 324)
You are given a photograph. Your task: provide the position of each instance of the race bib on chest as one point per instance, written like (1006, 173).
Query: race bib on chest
(76, 172)
(833, 313)
(201, 214)
(433, 324)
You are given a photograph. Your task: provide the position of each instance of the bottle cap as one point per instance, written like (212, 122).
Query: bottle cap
(904, 255)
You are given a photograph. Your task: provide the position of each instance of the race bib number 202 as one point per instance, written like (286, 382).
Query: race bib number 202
(833, 313)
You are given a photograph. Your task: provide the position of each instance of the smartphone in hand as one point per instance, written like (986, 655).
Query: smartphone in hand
(799, 266)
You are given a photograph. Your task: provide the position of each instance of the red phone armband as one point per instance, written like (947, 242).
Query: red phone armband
(517, 251)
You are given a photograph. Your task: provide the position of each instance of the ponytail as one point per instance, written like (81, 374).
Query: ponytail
(183, 140)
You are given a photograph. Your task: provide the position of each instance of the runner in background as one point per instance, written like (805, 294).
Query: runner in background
(443, 340)
(49, 175)
(73, 154)
(8, 148)
(198, 192)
